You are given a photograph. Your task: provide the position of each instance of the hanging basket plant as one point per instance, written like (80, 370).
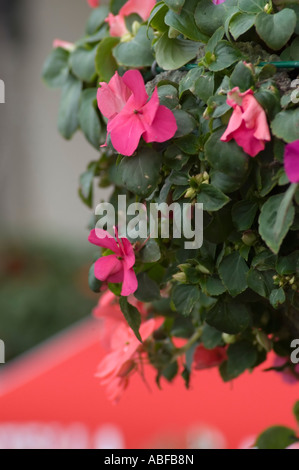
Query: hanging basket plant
(191, 105)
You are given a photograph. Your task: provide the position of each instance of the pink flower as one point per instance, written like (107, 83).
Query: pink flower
(117, 23)
(116, 268)
(118, 365)
(68, 46)
(131, 115)
(291, 161)
(218, 2)
(248, 123)
(207, 358)
(93, 3)
(288, 375)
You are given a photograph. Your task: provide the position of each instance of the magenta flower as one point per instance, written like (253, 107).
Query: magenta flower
(116, 268)
(117, 23)
(291, 161)
(248, 123)
(93, 3)
(218, 2)
(132, 115)
(68, 46)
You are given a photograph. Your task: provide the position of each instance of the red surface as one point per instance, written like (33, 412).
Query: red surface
(56, 383)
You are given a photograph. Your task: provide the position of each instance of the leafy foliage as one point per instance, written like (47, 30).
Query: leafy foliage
(243, 282)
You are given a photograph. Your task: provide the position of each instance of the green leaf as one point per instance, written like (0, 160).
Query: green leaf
(264, 261)
(288, 264)
(276, 437)
(286, 125)
(240, 24)
(276, 218)
(140, 173)
(131, 315)
(241, 356)
(252, 6)
(225, 56)
(156, 19)
(185, 122)
(94, 284)
(211, 338)
(242, 77)
(138, 52)
(243, 214)
(210, 17)
(214, 286)
(172, 54)
(227, 157)
(184, 298)
(82, 62)
(88, 117)
(233, 272)
(275, 30)
(151, 252)
(231, 318)
(188, 81)
(212, 198)
(68, 121)
(296, 411)
(204, 86)
(213, 41)
(86, 184)
(184, 22)
(148, 290)
(168, 96)
(277, 297)
(56, 68)
(258, 282)
(105, 63)
(175, 5)
(96, 19)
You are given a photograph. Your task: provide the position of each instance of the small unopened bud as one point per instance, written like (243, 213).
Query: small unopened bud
(264, 341)
(135, 27)
(249, 238)
(180, 277)
(292, 280)
(229, 339)
(182, 267)
(268, 8)
(190, 193)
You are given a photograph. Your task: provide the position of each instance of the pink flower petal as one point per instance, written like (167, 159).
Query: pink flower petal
(128, 252)
(142, 7)
(134, 81)
(130, 283)
(125, 130)
(117, 25)
(106, 267)
(245, 138)
(93, 3)
(234, 124)
(112, 97)
(291, 161)
(163, 127)
(103, 239)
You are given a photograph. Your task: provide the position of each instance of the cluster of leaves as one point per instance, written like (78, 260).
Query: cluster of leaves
(241, 287)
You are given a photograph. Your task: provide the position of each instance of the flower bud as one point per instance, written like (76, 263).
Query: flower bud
(190, 193)
(229, 339)
(180, 277)
(249, 238)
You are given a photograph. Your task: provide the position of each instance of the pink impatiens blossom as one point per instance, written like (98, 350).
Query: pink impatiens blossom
(218, 2)
(288, 375)
(117, 23)
(291, 161)
(116, 368)
(132, 115)
(248, 124)
(68, 46)
(116, 268)
(207, 358)
(93, 3)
